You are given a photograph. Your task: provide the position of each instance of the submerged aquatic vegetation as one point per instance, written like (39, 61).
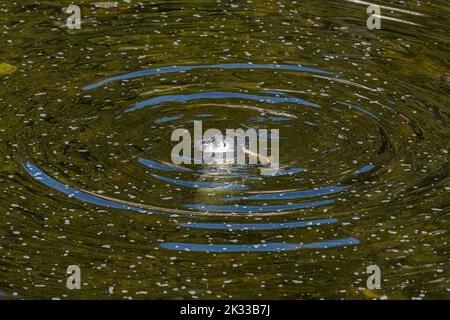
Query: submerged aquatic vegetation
(6, 69)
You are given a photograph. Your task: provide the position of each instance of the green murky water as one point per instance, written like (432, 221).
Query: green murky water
(86, 175)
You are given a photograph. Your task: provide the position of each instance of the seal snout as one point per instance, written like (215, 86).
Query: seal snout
(214, 143)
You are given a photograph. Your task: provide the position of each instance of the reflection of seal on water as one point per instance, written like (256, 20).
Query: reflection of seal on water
(224, 149)
(220, 152)
(217, 151)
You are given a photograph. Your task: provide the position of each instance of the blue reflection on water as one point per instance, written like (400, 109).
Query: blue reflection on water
(204, 115)
(218, 95)
(265, 247)
(362, 110)
(161, 166)
(283, 172)
(366, 168)
(256, 226)
(273, 92)
(167, 119)
(271, 118)
(241, 208)
(40, 176)
(293, 194)
(173, 69)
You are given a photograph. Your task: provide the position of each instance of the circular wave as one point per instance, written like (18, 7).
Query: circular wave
(330, 149)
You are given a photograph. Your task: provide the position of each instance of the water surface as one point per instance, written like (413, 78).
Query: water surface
(86, 172)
